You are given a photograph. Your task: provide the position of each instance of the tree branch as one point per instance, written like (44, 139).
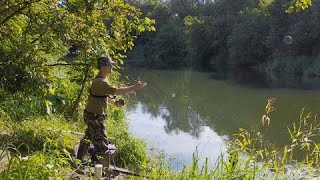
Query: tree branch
(16, 12)
(67, 64)
(11, 7)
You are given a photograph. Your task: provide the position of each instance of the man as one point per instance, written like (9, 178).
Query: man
(95, 111)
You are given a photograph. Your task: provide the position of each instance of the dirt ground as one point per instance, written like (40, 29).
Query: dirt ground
(4, 160)
(113, 174)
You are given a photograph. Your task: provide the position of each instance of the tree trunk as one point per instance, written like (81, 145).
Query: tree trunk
(76, 102)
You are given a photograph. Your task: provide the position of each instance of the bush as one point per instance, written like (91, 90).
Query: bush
(250, 156)
(130, 150)
(44, 164)
(19, 106)
(314, 68)
(247, 41)
(36, 132)
(289, 65)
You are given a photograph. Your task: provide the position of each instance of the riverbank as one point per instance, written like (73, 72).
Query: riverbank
(42, 146)
(46, 141)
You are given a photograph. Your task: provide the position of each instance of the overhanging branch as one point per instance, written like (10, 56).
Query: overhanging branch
(67, 64)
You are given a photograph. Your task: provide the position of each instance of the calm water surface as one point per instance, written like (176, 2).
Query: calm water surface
(181, 112)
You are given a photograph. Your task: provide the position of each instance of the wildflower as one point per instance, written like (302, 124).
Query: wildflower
(50, 166)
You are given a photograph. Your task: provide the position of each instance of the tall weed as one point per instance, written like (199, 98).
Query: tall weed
(250, 156)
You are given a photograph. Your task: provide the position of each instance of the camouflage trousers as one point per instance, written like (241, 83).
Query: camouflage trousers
(95, 134)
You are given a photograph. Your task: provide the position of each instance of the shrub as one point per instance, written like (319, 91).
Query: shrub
(289, 65)
(36, 132)
(44, 164)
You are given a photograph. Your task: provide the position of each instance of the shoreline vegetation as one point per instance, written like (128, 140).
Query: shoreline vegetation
(41, 146)
(222, 36)
(42, 95)
(42, 98)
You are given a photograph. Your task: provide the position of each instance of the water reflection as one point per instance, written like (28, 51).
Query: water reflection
(184, 106)
(177, 145)
(253, 79)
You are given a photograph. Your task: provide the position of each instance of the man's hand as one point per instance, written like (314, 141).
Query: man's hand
(119, 103)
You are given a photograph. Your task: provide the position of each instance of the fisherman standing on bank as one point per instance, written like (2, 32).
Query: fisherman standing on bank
(95, 111)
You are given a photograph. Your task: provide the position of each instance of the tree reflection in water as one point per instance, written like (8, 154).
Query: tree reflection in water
(188, 101)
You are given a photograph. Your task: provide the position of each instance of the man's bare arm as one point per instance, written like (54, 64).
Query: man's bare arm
(124, 90)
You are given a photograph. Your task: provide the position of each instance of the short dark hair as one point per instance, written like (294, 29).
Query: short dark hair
(104, 61)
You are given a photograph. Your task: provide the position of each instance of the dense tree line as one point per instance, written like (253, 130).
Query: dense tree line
(35, 35)
(225, 34)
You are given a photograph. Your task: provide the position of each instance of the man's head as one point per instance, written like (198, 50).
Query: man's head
(105, 61)
(105, 64)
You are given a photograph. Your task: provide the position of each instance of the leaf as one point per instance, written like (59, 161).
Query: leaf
(48, 106)
(52, 90)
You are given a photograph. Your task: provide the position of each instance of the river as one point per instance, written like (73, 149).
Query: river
(183, 112)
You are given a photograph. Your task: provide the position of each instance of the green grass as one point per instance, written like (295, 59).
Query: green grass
(45, 164)
(299, 66)
(47, 143)
(249, 156)
(131, 152)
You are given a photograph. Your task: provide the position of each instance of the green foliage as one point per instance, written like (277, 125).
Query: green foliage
(36, 94)
(44, 164)
(49, 143)
(38, 32)
(36, 148)
(211, 35)
(299, 5)
(250, 156)
(222, 35)
(55, 99)
(53, 131)
(196, 41)
(64, 88)
(303, 135)
(246, 42)
(160, 169)
(302, 151)
(131, 151)
(166, 50)
(18, 106)
(165, 47)
(314, 69)
(283, 66)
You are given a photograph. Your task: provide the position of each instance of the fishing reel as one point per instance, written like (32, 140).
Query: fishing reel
(120, 102)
